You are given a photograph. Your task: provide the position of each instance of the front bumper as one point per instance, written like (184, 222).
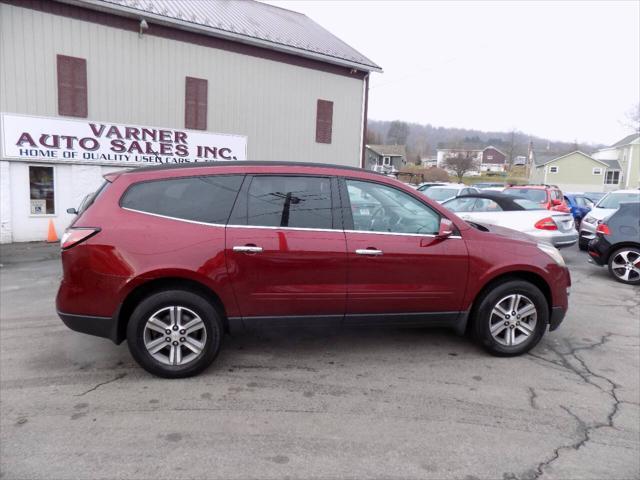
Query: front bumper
(106, 327)
(557, 315)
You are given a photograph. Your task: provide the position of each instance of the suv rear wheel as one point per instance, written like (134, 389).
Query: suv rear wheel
(624, 265)
(511, 318)
(174, 333)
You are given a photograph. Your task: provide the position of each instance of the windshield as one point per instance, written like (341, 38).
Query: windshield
(439, 194)
(534, 194)
(461, 204)
(613, 200)
(422, 188)
(527, 204)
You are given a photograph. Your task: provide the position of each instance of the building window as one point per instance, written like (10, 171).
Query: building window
(597, 171)
(41, 191)
(195, 104)
(612, 177)
(553, 169)
(386, 160)
(72, 86)
(324, 121)
(489, 157)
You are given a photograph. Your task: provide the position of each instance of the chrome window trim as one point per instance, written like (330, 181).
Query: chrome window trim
(285, 228)
(430, 235)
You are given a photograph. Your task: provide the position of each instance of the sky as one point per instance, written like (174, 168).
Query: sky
(564, 70)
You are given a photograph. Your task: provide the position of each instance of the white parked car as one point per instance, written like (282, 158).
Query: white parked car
(605, 207)
(492, 208)
(442, 193)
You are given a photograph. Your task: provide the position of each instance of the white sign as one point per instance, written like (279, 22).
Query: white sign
(65, 140)
(38, 207)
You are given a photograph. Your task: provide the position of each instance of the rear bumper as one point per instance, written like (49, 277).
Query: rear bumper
(558, 240)
(105, 327)
(598, 249)
(557, 315)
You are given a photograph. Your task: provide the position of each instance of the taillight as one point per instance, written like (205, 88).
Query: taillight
(546, 224)
(74, 236)
(603, 228)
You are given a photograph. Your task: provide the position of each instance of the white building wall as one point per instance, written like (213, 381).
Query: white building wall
(5, 202)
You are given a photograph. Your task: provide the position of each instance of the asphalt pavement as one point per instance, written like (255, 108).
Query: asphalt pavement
(320, 403)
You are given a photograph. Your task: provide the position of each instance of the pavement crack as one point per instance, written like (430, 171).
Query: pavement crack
(532, 398)
(116, 378)
(583, 371)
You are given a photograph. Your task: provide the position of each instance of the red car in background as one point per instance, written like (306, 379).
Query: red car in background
(172, 257)
(549, 197)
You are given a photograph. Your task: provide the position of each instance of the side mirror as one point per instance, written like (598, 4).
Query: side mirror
(446, 228)
(72, 211)
(555, 202)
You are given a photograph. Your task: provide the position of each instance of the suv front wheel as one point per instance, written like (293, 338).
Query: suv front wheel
(174, 333)
(511, 318)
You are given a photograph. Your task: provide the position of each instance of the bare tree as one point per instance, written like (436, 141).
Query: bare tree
(633, 118)
(460, 165)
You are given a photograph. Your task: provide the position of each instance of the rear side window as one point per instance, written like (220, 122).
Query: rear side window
(203, 199)
(289, 201)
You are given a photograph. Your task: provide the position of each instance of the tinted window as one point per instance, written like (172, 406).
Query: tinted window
(613, 200)
(533, 194)
(460, 204)
(527, 204)
(295, 202)
(439, 194)
(486, 205)
(378, 208)
(203, 199)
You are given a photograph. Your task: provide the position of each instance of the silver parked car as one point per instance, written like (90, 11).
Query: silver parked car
(605, 207)
(521, 214)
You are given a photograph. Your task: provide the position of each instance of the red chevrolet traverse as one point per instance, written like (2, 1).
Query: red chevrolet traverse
(171, 258)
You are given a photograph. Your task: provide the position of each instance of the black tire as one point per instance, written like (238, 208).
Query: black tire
(168, 298)
(583, 244)
(483, 316)
(631, 255)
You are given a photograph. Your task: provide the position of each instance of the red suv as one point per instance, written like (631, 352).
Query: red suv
(171, 258)
(549, 197)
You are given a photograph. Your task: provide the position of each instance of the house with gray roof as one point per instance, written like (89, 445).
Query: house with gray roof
(626, 152)
(576, 172)
(388, 159)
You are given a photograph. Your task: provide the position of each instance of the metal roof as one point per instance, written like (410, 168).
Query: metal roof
(626, 140)
(389, 150)
(245, 21)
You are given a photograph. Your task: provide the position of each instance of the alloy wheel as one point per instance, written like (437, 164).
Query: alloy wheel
(175, 335)
(513, 320)
(626, 265)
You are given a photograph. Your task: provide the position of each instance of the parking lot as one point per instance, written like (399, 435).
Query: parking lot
(315, 403)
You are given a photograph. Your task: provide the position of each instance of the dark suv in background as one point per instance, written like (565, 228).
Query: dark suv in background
(617, 244)
(170, 258)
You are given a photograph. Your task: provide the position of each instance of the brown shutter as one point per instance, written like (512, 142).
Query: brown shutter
(195, 105)
(72, 86)
(324, 121)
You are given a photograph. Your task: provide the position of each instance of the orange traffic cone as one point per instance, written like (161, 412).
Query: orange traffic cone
(52, 236)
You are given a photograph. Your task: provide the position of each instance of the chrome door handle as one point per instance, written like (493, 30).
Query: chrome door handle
(368, 251)
(247, 249)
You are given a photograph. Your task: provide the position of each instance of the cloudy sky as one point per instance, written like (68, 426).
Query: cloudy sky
(565, 71)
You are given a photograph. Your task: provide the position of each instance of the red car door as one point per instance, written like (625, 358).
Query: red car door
(285, 248)
(398, 270)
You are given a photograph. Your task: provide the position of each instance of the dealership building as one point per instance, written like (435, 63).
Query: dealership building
(92, 86)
